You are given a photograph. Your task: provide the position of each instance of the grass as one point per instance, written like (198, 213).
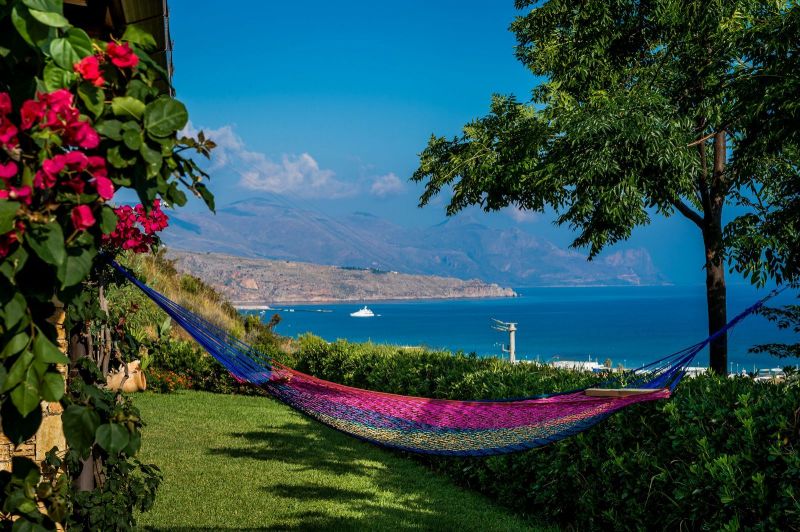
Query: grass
(242, 462)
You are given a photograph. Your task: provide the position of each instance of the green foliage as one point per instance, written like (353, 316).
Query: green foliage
(722, 453)
(787, 317)
(106, 426)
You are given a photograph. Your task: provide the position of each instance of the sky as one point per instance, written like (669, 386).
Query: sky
(329, 104)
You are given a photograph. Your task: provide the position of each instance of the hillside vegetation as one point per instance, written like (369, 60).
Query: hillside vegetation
(170, 357)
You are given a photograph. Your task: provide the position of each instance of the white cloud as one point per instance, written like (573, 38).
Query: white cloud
(293, 174)
(520, 215)
(386, 185)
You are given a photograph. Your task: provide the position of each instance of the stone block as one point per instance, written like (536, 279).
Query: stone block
(50, 434)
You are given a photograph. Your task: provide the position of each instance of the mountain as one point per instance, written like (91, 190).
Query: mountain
(459, 247)
(246, 281)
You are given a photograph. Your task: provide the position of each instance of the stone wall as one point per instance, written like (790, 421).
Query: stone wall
(50, 433)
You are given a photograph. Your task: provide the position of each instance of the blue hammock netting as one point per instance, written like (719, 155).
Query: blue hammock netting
(437, 426)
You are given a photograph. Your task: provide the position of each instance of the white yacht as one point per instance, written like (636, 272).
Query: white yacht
(363, 313)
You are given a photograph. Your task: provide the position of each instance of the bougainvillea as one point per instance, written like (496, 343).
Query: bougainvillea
(136, 228)
(80, 120)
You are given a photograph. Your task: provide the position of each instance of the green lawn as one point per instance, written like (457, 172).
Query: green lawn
(235, 462)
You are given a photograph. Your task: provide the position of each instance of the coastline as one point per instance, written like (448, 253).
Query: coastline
(263, 305)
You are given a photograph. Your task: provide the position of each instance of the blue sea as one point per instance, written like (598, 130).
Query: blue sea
(629, 325)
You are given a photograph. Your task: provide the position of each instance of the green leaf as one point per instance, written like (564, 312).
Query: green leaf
(47, 352)
(55, 77)
(51, 19)
(140, 90)
(52, 386)
(80, 424)
(127, 107)
(54, 6)
(108, 220)
(165, 116)
(63, 53)
(77, 265)
(17, 343)
(175, 196)
(153, 159)
(33, 32)
(117, 159)
(81, 42)
(134, 444)
(112, 437)
(8, 213)
(19, 428)
(111, 129)
(19, 370)
(140, 36)
(13, 263)
(206, 194)
(93, 97)
(14, 311)
(145, 187)
(47, 241)
(132, 137)
(26, 396)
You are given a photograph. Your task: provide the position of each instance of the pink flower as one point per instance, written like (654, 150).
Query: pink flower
(82, 217)
(8, 170)
(48, 175)
(59, 100)
(31, 112)
(97, 166)
(21, 194)
(76, 184)
(121, 55)
(55, 165)
(8, 132)
(76, 161)
(7, 240)
(104, 187)
(84, 135)
(89, 69)
(5, 103)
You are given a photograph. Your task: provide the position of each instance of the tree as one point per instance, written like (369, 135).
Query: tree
(646, 107)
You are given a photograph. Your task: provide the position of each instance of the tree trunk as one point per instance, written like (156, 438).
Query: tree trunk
(84, 481)
(716, 295)
(716, 298)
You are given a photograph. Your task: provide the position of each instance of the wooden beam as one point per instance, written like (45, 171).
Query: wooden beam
(618, 392)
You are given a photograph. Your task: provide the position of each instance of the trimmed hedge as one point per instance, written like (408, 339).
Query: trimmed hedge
(721, 454)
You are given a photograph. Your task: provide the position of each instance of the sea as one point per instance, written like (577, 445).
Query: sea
(629, 325)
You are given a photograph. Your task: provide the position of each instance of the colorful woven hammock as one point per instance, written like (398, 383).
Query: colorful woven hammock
(436, 426)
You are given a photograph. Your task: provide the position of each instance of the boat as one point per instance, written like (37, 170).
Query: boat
(363, 313)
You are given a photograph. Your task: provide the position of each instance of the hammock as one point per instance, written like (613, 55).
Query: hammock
(437, 426)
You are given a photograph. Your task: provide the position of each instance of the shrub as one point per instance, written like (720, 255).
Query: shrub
(721, 454)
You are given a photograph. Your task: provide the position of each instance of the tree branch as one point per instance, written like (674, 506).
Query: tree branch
(688, 212)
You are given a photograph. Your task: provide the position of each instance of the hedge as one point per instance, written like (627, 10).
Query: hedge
(721, 454)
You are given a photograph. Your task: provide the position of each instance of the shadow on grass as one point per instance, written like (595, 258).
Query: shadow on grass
(365, 488)
(306, 447)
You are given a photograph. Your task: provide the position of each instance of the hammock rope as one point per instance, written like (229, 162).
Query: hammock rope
(435, 426)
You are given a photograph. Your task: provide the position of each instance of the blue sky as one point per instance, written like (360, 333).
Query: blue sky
(328, 104)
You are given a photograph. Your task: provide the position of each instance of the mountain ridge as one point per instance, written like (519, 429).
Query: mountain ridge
(459, 247)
